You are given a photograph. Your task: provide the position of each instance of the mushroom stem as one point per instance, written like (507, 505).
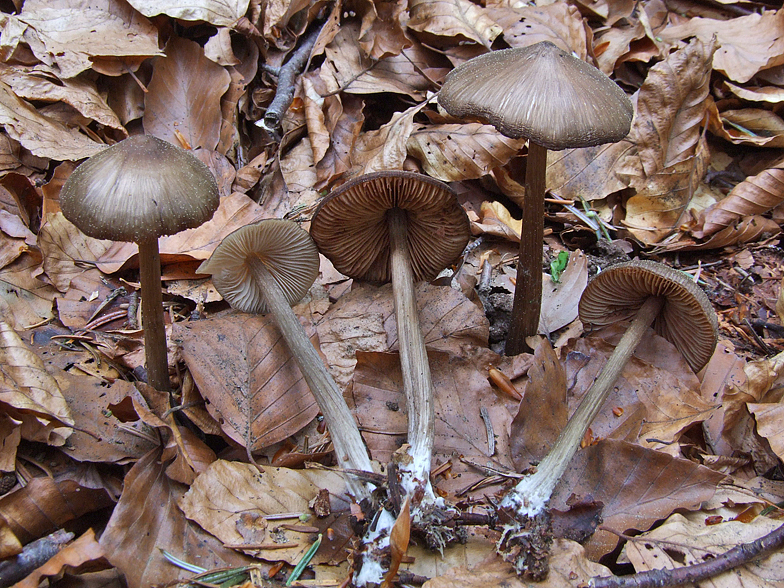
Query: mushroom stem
(152, 315)
(532, 493)
(528, 289)
(417, 382)
(349, 447)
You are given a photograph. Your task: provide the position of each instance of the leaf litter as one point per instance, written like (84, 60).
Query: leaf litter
(696, 185)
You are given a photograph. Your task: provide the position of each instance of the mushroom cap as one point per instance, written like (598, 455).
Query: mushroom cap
(350, 226)
(139, 189)
(687, 318)
(539, 93)
(283, 246)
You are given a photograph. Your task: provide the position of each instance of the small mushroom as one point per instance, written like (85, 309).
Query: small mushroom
(405, 227)
(554, 100)
(648, 294)
(266, 267)
(138, 190)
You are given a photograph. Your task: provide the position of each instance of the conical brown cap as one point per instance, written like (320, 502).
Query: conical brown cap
(139, 189)
(286, 250)
(539, 93)
(350, 225)
(687, 318)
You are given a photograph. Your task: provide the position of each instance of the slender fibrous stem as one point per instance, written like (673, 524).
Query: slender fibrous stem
(152, 315)
(349, 447)
(532, 493)
(417, 382)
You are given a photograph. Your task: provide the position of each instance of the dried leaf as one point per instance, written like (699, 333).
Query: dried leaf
(683, 541)
(84, 549)
(747, 44)
(147, 520)
(769, 417)
(219, 498)
(452, 152)
(43, 136)
(244, 369)
(560, 299)
(385, 148)
(638, 486)
(749, 126)
(24, 300)
(453, 18)
(753, 196)
(78, 37)
(588, 173)
(184, 95)
(221, 13)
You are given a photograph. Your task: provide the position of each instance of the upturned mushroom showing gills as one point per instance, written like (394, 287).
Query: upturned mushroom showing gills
(403, 227)
(554, 100)
(266, 267)
(138, 190)
(647, 294)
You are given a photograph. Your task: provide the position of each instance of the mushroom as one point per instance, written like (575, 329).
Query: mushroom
(649, 294)
(138, 190)
(405, 227)
(266, 267)
(554, 100)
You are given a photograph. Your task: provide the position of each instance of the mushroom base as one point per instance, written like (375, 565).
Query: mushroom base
(525, 543)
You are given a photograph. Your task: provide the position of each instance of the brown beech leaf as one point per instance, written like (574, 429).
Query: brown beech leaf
(45, 505)
(684, 540)
(638, 486)
(747, 44)
(453, 18)
(84, 549)
(345, 124)
(221, 13)
(25, 300)
(318, 134)
(147, 520)
(40, 83)
(749, 126)
(613, 43)
(452, 152)
(671, 105)
(78, 37)
(772, 94)
(41, 135)
(27, 386)
(461, 391)
(753, 196)
(184, 95)
(100, 435)
(348, 69)
(542, 413)
(382, 31)
(560, 299)
(221, 498)
(569, 566)
(385, 148)
(588, 173)
(769, 417)
(525, 25)
(66, 249)
(244, 370)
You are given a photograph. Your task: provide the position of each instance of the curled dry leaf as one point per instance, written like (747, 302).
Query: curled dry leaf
(147, 520)
(748, 44)
(107, 35)
(560, 299)
(244, 369)
(685, 540)
(220, 497)
(588, 173)
(221, 13)
(750, 126)
(452, 152)
(85, 549)
(25, 300)
(26, 386)
(184, 94)
(453, 18)
(42, 136)
(769, 417)
(638, 486)
(753, 196)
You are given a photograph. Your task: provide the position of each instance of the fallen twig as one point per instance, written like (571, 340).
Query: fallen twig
(735, 557)
(33, 556)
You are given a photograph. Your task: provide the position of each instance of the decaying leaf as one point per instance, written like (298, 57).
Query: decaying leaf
(453, 18)
(218, 12)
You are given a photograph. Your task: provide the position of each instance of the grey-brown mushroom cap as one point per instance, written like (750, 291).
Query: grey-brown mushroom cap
(687, 318)
(283, 246)
(350, 226)
(539, 93)
(139, 189)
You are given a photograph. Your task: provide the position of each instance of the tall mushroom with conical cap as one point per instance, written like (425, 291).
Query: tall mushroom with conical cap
(266, 267)
(138, 190)
(554, 100)
(643, 293)
(403, 227)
